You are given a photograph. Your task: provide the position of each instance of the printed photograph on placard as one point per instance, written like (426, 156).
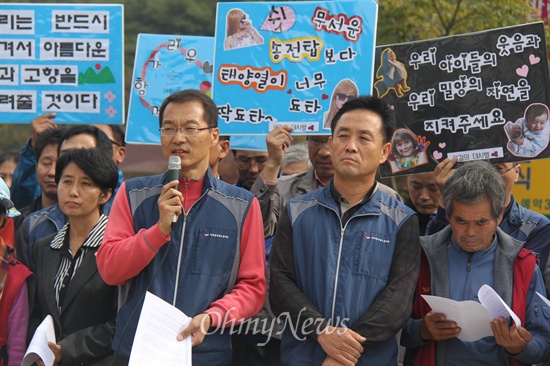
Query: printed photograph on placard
(478, 96)
(291, 63)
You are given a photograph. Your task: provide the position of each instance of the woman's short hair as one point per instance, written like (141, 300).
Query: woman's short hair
(99, 166)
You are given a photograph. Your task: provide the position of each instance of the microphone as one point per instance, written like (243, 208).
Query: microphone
(174, 167)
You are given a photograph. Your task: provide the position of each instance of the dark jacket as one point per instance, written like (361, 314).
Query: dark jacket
(86, 325)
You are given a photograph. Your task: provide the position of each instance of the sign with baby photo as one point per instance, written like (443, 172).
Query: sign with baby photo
(478, 96)
(291, 63)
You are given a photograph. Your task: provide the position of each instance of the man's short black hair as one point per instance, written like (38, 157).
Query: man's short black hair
(102, 140)
(118, 134)
(191, 95)
(51, 136)
(373, 104)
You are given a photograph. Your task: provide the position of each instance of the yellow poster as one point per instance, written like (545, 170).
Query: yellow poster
(532, 190)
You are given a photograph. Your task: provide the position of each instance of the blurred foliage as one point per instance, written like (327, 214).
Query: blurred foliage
(413, 20)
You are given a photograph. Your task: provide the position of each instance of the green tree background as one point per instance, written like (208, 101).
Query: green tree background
(399, 21)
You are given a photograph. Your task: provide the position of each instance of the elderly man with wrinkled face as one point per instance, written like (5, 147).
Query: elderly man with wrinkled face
(469, 253)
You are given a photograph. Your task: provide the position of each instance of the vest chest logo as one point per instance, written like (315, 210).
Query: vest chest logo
(370, 237)
(213, 235)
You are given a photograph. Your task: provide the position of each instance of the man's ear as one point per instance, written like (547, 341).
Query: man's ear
(385, 152)
(120, 154)
(224, 149)
(215, 136)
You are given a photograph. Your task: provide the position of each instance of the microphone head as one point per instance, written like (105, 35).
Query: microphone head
(174, 162)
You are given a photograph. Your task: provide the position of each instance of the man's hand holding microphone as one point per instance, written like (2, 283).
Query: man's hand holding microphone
(170, 200)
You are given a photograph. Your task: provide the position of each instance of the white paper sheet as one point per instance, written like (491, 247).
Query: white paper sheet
(472, 317)
(155, 341)
(546, 301)
(495, 305)
(38, 348)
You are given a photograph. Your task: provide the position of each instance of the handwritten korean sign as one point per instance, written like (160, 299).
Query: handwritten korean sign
(165, 64)
(291, 63)
(479, 96)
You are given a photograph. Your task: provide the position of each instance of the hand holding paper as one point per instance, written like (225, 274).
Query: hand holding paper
(473, 318)
(514, 339)
(436, 327)
(155, 342)
(38, 348)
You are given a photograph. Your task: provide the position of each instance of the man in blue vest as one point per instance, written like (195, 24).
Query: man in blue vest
(197, 243)
(346, 256)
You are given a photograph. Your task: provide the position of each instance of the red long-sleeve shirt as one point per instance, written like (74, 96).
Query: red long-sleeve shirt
(124, 254)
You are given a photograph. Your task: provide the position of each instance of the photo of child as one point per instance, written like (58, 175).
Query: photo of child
(529, 136)
(239, 31)
(408, 150)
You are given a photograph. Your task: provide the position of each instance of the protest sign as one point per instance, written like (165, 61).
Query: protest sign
(531, 189)
(476, 96)
(165, 64)
(291, 63)
(65, 59)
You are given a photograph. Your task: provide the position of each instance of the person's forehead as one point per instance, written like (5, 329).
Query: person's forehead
(421, 178)
(49, 149)
(319, 137)
(108, 131)
(82, 140)
(182, 109)
(251, 153)
(505, 165)
(360, 119)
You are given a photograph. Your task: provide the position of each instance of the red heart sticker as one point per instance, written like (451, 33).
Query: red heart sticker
(289, 91)
(324, 97)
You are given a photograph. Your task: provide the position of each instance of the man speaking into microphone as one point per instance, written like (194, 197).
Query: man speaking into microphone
(194, 241)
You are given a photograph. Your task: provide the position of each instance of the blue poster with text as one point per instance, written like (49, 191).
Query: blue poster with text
(291, 63)
(165, 64)
(64, 59)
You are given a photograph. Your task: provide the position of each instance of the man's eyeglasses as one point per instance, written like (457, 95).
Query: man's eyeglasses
(245, 162)
(115, 143)
(501, 169)
(341, 97)
(186, 131)
(317, 141)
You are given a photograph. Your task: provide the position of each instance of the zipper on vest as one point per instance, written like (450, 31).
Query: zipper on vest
(470, 255)
(185, 188)
(342, 230)
(185, 213)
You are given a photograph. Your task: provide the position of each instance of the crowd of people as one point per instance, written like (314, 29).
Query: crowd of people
(322, 263)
